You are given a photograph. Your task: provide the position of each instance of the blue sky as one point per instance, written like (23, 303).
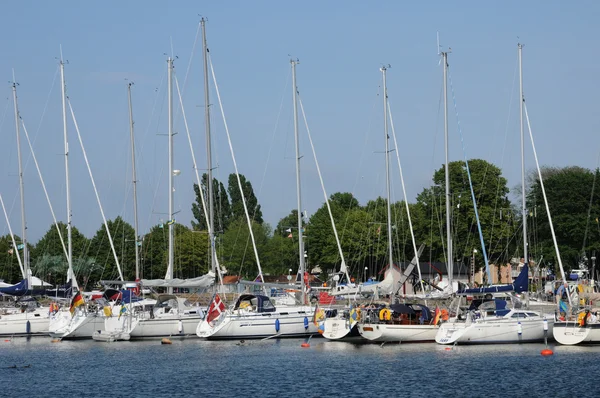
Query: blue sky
(340, 45)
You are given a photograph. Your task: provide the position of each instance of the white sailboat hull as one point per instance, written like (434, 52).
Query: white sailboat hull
(145, 328)
(33, 323)
(249, 325)
(80, 326)
(570, 333)
(494, 331)
(184, 326)
(341, 329)
(398, 333)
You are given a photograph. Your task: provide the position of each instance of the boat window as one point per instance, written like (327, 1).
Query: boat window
(532, 314)
(267, 304)
(519, 315)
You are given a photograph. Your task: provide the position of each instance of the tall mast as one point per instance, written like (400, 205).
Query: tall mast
(134, 181)
(450, 266)
(300, 240)
(387, 173)
(21, 187)
(524, 206)
(70, 275)
(171, 222)
(209, 188)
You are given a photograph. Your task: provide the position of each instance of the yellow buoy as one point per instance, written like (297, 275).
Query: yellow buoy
(165, 341)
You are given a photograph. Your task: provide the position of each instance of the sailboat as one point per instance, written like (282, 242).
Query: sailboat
(30, 318)
(255, 315)
(170, 316)
(489, 319)
(81, 319)
(396, 322)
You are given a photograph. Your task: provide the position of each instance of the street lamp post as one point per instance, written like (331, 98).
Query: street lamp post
(365, 274)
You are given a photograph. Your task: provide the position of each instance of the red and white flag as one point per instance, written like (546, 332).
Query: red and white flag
(217, 307)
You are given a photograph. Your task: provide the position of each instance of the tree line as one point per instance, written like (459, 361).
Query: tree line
(572, 196)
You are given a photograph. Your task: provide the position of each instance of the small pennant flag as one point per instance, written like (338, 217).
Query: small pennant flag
(20, 246)
(289, 230)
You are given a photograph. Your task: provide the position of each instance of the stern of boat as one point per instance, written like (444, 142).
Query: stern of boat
(336, 329)
(570, 333)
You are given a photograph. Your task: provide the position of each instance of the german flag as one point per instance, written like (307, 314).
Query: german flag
(76, 302)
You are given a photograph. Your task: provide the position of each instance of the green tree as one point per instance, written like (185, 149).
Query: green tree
(574, 212)
(50, 245)
(190, 252)
(10, 271)
(235, 247)
(154, 252)
(492, 204)
(222, 208)
(237, 205)
(123, 236)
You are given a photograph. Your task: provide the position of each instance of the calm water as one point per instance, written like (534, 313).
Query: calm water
(281, 368)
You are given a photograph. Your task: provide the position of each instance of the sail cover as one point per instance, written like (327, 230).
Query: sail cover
(521, 284)
(199, 282)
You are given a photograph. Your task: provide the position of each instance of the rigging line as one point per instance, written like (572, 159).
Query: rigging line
(485, 257)
(189, 66)
(140, 154)
(562, 271)
(95, 189)
(506, 128)
(236, 170)
(43, 112)
(361, 159)
(432, 171)
(587, 223)
(412, 234)
(195, 166)
(141, 150)
(12, 237)
(337, 239)
(273, 136)
(62, 241)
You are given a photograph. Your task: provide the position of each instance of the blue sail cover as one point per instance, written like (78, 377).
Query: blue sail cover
(63, 291)
(21, 289)
(521, 284)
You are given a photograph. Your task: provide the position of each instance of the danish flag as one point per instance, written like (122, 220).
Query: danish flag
(216, 308)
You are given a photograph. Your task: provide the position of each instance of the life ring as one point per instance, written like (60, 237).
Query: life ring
(385, 315)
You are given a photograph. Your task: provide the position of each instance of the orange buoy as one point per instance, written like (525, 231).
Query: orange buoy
(7, 340)
(305, 345)
(546, 352)
(448, 348)
(165, 341)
